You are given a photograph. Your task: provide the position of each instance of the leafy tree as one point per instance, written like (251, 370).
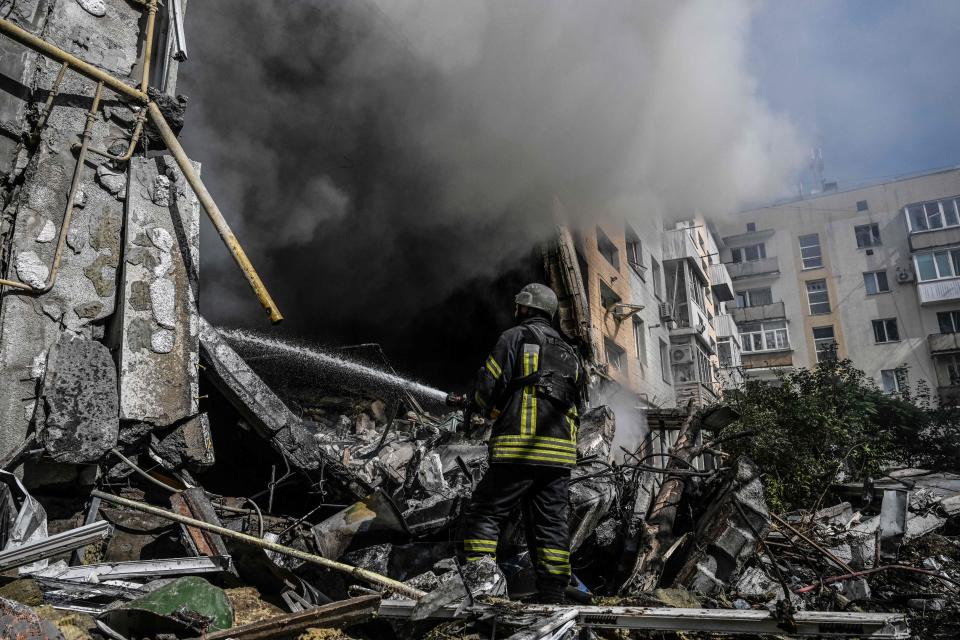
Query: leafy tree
(812, 427)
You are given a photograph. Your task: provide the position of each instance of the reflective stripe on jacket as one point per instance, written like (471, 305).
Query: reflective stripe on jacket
(530, 385)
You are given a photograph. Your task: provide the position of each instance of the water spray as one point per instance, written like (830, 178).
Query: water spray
(328, 362)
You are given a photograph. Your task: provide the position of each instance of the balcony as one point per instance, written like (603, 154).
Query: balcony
(934, 238)
(949, 395)
(678, 244)
(772, 311)
(720, 282)
(943, 343)
(766, 360)
(764, 267)
(691, 320)
(725, 326)
(935, 291)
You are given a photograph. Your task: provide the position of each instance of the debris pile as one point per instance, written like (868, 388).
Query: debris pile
(349, 517)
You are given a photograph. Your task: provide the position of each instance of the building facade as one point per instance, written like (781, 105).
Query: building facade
(873, 272)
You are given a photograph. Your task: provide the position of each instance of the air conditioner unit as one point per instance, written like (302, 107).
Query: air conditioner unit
(904, 275)
(666, 311)
(681, 354)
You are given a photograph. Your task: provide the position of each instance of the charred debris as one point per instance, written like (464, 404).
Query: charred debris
(162, 478)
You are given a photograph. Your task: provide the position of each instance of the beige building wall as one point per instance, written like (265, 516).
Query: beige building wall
(834, 217)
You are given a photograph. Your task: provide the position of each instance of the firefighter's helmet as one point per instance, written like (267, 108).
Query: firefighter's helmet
(538, 296)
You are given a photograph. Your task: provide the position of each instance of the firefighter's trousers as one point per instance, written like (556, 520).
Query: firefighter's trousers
(542, 492)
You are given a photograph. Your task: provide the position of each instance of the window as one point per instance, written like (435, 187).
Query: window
(890, 380)
(750, 253)
(938, 265)
(725, 351)
(640, 337)
(607, 249)
(862, 205)
(635, 252)
(751, 227)
(810, 251)
(818, 297)
(754, 297)
(876, 282)
(935, 214)
(824, 342)
(657, 283)
(614, 354)
(664, 361)
(952, 363)
(949, 321)
(765, 336)
(608, 297)
(885, 330)
(703, 366)
(868, 235)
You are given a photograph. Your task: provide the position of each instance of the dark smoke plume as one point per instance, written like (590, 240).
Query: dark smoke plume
(390, 166)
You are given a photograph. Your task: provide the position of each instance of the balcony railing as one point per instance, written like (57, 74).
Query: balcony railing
(935, 291)
(725, 326)
(766, 360)
(766, 266)
(772, 311)
(720, 282)
(943, 342)
(920, 240)
(678, 244)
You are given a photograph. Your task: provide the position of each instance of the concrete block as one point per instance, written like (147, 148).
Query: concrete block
(80, 401)
(188, 445)
(158, 337)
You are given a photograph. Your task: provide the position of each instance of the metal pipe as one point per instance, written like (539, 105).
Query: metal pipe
(206, 200)
(364, 574)
(68, 214)
(48, 106)
(213, 212)
(148, 45)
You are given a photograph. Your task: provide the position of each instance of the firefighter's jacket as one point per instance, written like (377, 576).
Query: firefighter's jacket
(531, 385)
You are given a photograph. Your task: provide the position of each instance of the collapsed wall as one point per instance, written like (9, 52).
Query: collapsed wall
(126, 278)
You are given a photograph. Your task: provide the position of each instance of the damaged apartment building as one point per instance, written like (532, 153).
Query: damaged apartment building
(155, 480)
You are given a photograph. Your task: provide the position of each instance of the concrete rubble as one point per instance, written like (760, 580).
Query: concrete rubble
(159, 479)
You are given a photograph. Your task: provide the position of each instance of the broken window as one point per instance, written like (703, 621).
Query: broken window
(936, 214)
(949, 321)
(765, 336)
(890, 380)
(640, 338)
(875, 282)
(868, 235)
(750, 253)
(664, 361)
(657, 282)
(818, 297)
(824, 342)
(885, 330)
(754, 297)
(635, 252)
(614, 354)
(608, 297)
(607, 249)
(810, 251)
(952, 363)
(725, 351)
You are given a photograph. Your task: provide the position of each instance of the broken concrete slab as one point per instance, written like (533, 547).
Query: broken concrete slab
(80, 401)
(158, 322)
(189, 445)
(725, 532)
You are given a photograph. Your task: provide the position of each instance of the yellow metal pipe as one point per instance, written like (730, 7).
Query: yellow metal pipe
(206, 200)
(148, 45)
(213, 212)
(363, 574)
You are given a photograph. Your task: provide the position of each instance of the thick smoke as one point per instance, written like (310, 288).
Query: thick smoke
(389, 164)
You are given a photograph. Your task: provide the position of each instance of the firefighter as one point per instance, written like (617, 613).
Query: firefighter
(530, 386)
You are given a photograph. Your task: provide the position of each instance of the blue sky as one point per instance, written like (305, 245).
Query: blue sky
(874, 83)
